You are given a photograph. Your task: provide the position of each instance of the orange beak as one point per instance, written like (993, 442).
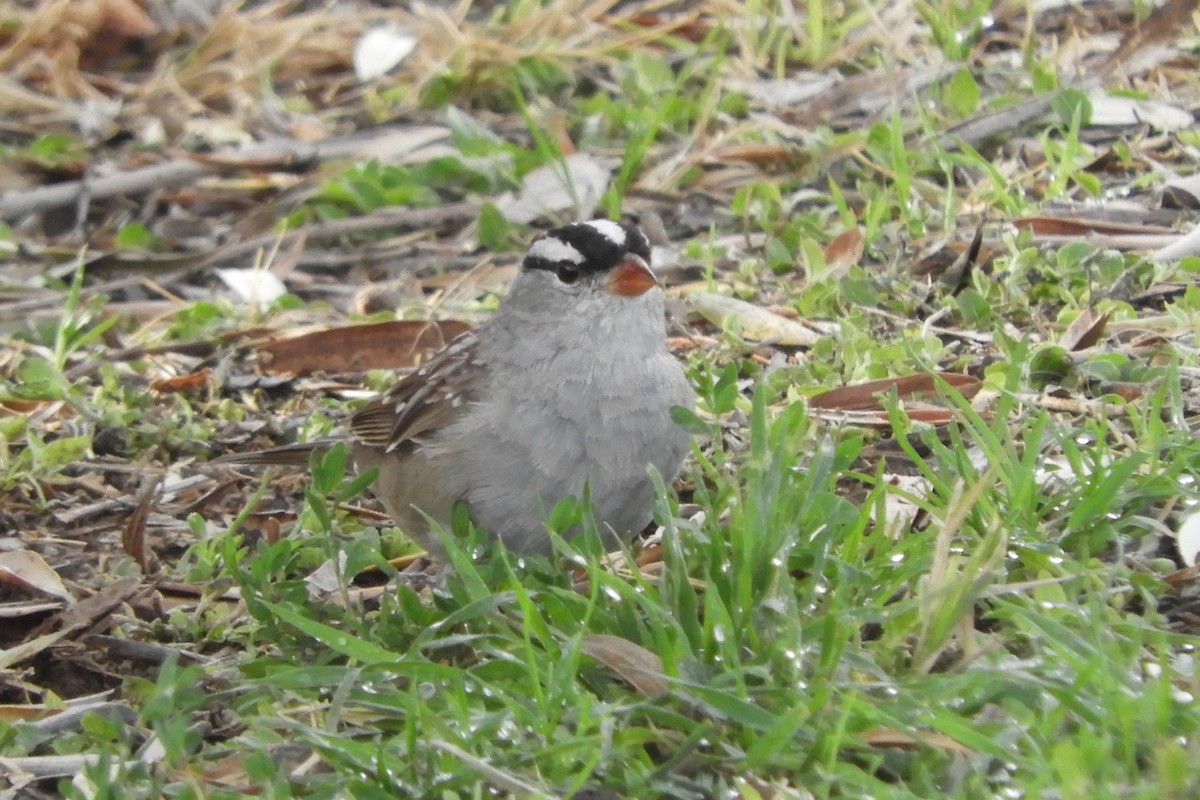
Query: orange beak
(632, 277)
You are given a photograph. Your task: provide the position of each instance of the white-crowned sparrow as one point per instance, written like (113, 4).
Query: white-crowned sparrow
(567, 386)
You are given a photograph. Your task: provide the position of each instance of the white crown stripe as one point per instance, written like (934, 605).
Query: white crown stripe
(555, 250)
(609, 230)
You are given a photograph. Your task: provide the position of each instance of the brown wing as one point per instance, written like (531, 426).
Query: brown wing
(422, 401)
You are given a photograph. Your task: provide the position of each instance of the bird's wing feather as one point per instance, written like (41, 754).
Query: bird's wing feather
(422, 401)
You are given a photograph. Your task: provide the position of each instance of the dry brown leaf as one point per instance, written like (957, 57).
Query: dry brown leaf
(863, 396)
(653, 554)
(691, 27)
(1128, 391)
(759, 154)
(13, 713)
(19, 406)
(182, 383)
(955, 276)
(1081, 226)
(125, 18)
(1085, 330)
(637, 665)
(889, 737)
(845, 250)
(133, 535)
(1183, 576)
(385, 345)
(28, 570)
(117, 21)
(931, 415)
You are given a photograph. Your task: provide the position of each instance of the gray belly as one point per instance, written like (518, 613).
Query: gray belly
(540, 460)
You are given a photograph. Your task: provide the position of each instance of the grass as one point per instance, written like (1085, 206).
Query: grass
(988, 608)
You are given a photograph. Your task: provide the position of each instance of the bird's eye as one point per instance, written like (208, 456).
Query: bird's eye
(567, 273)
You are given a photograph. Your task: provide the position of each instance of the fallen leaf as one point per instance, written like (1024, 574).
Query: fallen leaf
(28, 570)
(1115, 111)
(354, 348)
(776, 92)
(31, 608)
(1129, 391)
(379, 50)
(182, 383)
(955, 275)
(1085, 330)
(637, 665)
(133, 534)
(752, 322)
(862, 396)
(759, 153)
(126, 18)
(14, 713)
(844, 251)
(253, 286)
(889, 737)
(690, 27)
(1044, 225)
(575, 184)
(1183, 576)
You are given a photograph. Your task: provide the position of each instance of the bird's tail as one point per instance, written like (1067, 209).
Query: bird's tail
(288, 455)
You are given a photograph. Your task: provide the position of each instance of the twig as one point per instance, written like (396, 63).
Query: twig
(379, 143)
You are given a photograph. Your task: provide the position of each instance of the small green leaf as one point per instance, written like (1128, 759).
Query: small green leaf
(67, 450)
(136, 235)
(1071, 103)
(1050, 364)
(99, 727)
(358, 485)
(962, 93)
(726, 392)
(329, 468)
(566, 514)
(316, 504)
(492, 228)
(778, 256)
(974, 308)
(40, 380)
(54, 147)
(689, 420)
(12, 427)
(1045, 79)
